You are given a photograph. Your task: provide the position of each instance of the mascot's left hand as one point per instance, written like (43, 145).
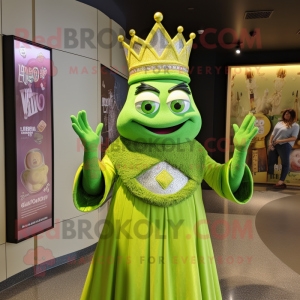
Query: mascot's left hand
(242, 139)
(244, 135)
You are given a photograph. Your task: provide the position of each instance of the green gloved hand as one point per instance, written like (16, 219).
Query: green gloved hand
(242, 139)
(92, 181)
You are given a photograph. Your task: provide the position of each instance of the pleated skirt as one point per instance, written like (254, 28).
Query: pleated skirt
(147, 252)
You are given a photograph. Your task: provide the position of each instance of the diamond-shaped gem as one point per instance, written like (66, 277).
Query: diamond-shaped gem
(164, 179)
(188, 48)
(137, 47)
(159, 42)
(126, 51)
(179, 46)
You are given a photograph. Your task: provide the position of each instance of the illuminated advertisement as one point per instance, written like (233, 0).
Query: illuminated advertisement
(266, 91)
(28, 138)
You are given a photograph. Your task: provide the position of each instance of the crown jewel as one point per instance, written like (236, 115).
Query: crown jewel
(158, 56)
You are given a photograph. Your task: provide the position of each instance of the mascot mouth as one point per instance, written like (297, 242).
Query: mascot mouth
(165, 130)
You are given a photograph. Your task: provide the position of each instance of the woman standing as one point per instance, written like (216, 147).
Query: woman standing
(282, 140)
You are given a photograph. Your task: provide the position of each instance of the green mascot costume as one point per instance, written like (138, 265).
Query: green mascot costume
(155, 243)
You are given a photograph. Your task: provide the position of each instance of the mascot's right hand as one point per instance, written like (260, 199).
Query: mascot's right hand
(88, 137)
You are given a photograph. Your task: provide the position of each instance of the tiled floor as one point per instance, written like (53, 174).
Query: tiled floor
(266, 263)
(262, 262)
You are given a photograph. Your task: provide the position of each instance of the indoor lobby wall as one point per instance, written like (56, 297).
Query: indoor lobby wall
(210, 88)
(230, 58)
(72, 91)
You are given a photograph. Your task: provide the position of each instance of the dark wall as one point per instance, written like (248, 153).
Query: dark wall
(203, 90)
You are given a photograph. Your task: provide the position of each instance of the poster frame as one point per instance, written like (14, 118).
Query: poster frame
(10, 138)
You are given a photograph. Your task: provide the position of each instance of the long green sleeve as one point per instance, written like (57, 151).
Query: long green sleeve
(237, 168)
(217, 177)
(92, 179)
(85, 201)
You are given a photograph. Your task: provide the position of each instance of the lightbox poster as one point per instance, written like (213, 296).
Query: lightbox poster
(33, 139)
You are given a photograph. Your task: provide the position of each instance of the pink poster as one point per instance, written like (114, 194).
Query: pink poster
(33, 109)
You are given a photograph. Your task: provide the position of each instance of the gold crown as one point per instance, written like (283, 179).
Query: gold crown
(158, 56)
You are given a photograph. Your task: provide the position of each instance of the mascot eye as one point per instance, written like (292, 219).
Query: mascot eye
(178, 102)
(179, 106)
(256, 123)
(147, 107)
(147, 103)
(261, 122)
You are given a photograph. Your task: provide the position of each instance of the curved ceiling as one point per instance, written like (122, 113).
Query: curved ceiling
(276, 33)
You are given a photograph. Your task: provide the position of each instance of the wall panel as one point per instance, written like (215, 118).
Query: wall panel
(2, 263)
(68, 237)
(19, 257)
(58, 19)
(104, 38)
(17, 18)
(118, 60)
(74, 89)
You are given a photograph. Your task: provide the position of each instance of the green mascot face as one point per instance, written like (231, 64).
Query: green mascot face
(159, 112)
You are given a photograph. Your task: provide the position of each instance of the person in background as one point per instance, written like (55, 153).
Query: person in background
(282, 140)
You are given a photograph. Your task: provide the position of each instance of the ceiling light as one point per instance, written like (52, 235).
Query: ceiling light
(238, 48)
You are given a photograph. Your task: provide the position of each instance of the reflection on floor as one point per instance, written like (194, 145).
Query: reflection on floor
(256, 249)
(262, 262)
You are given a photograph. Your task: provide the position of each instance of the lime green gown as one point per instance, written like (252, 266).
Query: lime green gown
(156, 247)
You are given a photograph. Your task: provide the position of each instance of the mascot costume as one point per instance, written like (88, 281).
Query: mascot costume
(155, 242)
